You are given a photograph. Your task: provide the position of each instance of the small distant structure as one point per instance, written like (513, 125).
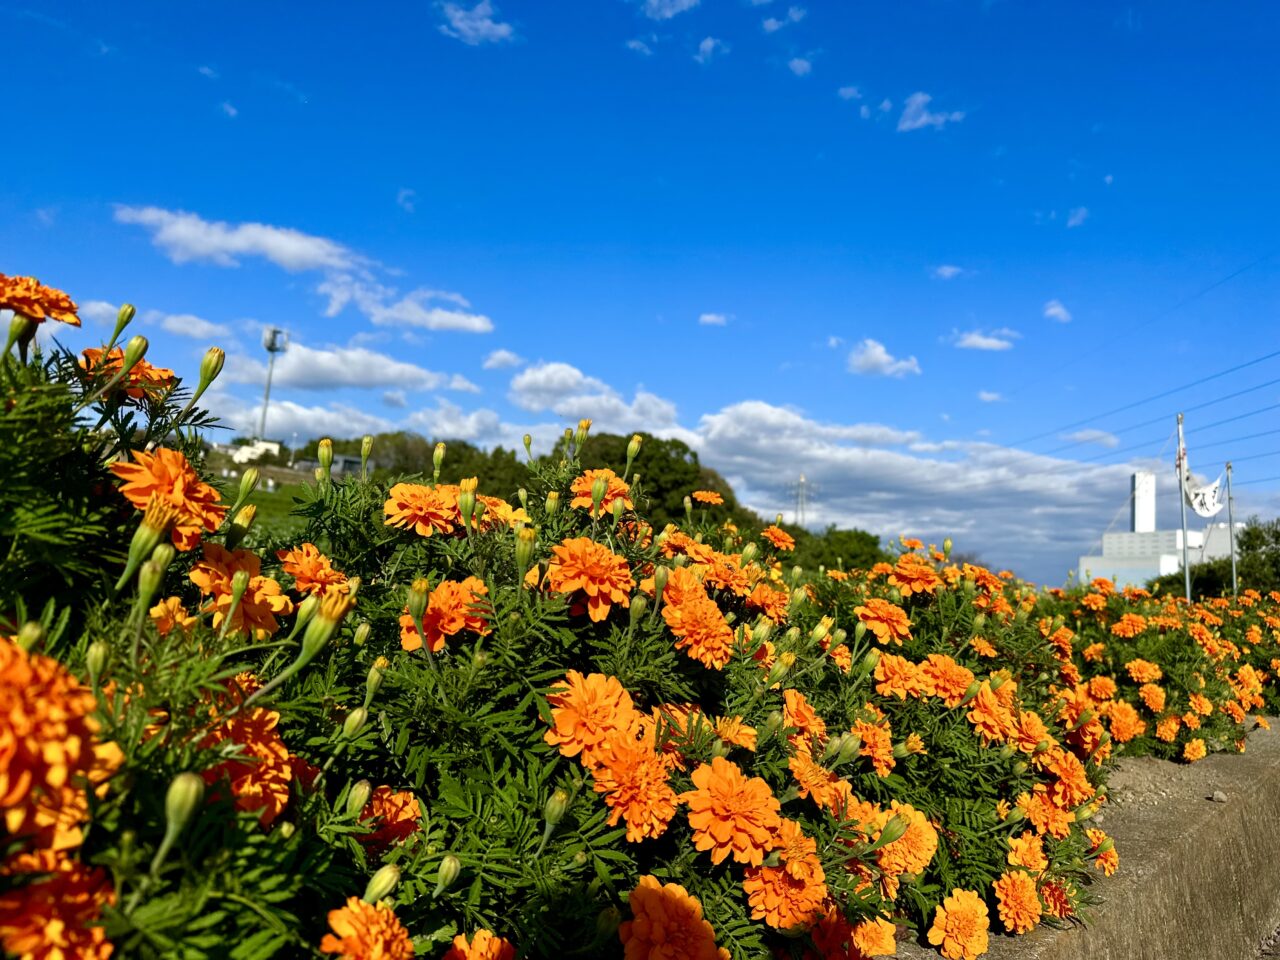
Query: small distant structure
(343, 464)
(256, 450)
(1139, 555)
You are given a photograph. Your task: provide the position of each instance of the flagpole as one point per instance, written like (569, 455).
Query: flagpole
(1182, 500)
(1231, 529)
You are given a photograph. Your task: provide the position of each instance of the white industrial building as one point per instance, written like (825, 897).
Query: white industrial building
(1143, 553)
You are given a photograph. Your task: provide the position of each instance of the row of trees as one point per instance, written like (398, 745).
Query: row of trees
(669, 471)
(1257, 565)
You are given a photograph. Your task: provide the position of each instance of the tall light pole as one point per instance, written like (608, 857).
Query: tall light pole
(274, 340)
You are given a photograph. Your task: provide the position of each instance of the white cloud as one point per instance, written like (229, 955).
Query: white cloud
(864, 112)
(1108, 179)
(886, 105)
(666, 9)
(800, 66)
(835, 342)
(228, 109)
(947, 271)
(395, 398)
(286, 417)
(187, 325)
(713, 319)
(406, 198)
(916, 114)
(793, 15)
(641, 46)
(849, 93)
(474, 25)
(99, 311)
(1101, 437)
(310, 368)
(708, 48)
(870, 357)
(421, 308)
(502, 360)
(187, 237)
(1054, 310)
(208, 72)
(1077, 216)
(979, 340)
(989, 396)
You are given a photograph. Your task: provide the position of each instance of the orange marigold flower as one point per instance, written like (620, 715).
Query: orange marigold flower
(1045, 815)
(1093, 652)
(945, 679)
(615, 489)
(875, 938)
(914, 574)
(771, 602)
(837, 575)
(1057, 900)
(1017, 902)
(32, 299)
(781, 900)
(1152, 696)
(877, 745)
(887, 621)
(451, 608)
(898, 677)
(1167, 729)
(311, 570)
(735, 732)
(960, 925)
(1108, 860)
(797, 714)
(780, 539)
(667, 924)
(170, 613)
(1142, 671)
(366, 931)
(1027, 851)
(1194, 750)
(54, 910)
(484, 945)
(261, 773)
(910, 853)
(1102, 688)
(709, 497)
(593, 574)
(395, 814)
(633, 777)
(1029, 731)
(262, 602)
(141, 380)
(731, 814)
(988, 715)
(585, 712)
(1201, 704)
(982, 647)
(701, 630)
(425, 510)
(1130, 625)
(798, 854)
(842, 656)
(166, 475)
(1125, 722)
(828, 789)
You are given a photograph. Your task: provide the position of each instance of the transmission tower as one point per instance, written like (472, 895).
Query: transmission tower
(274, 340)
(803, 489)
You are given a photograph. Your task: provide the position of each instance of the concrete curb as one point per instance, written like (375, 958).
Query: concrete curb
(1197, 878)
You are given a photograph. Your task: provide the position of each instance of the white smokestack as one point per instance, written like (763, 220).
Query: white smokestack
(1142, 503)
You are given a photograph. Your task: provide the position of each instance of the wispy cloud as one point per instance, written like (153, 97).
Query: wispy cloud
(1077, 216)
(501, 359)
(228, 109)
(871, 358)
(187, 325)
(642, 45)
(208, 72)
(1055, 310)
(989, 396)
(666, 9)
(406, 198)
(1001, 339)
(916, 114)
(1101, 437)
(849, 93)
(325, 368)
(793, 15)
(713, 319)
(709, 48)
(474, 25)
(947, 271)
(800, 66)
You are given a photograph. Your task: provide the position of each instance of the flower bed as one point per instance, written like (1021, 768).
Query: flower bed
(463, 725)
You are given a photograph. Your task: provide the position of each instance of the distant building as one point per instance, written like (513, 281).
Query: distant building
(1144, 553)
(343, 463)
(249, 452)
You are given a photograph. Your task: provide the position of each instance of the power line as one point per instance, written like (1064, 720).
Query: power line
(1245, 483)
(1255, 456)
(1223, 443)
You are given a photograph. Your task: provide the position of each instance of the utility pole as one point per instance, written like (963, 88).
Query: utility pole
(1231, 530)
(802, 499)
(1182, 502)
(274, 340)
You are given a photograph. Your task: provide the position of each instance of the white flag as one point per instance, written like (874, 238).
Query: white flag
(1205, 500)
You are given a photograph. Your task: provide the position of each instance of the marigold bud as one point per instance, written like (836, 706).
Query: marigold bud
(946, 548)
(366, 448)
(619, 510)
(556, 805)
(382, 883)
(523, 496)
(719, 748)
(361, 636)
(528, 446)
(95, 660)
(900, 750)
(333, 609)
(660, 577)
(893, 830)
(599, 487)
(859, 631)
(239, 584)
(761, 632)
(553, 503)
(970, 692)
(324, 454)
(358, 797)
(437, 461)
(354, 723)
(21, 330)
(30, 636)
(150, 580)
(124, 317)
(639, 606)
(163, 555)
(181, 800)
(373, 681)
(979, 621)
(773, 723)
(607, 922)
(210, 367)
(839, 635)
(156, 522)
(850, 744)
(240, 525)
(870, 660)
(450, 867)
(134, 351)
(580, 438)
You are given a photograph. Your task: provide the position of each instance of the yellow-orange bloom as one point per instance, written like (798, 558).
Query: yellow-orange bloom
(585, 712)
(592, 574)
(910, 853)
(166, 475)
(960, 925)
(667, 924)
(1017, 902)
(1028, 851)
(633, 777)
(945, 679)
(141, 380)
(484, 945)
(451, 608)
(731, 814)
(261, 603)
(709, 497)
(780, 539)
(1167, 729)
(1194, 750)
(781, 900)
(735, 732)
(170, 613)
(395, 815)
(367, 931)
(701, 630)
(425, 510)
(1130, 625)
(887, 621)
(615, 489)
(54, 910)
(1143, 671)
(311, 570)
(1125, 722)
(875, 938)
(989, 717)
(914, 574)
(32, 299)
(1152, 696)
(898, 677)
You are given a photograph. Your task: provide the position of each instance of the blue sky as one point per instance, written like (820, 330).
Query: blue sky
(882, 243)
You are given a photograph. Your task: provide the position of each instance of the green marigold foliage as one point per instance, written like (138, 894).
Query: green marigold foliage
(907, 721)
